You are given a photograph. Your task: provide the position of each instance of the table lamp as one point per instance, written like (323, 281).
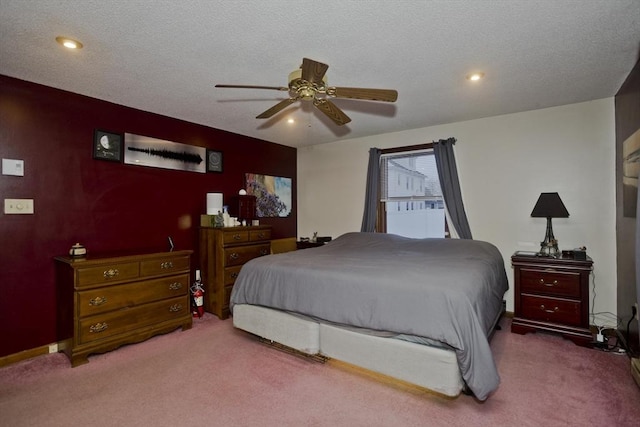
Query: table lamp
(549, 205)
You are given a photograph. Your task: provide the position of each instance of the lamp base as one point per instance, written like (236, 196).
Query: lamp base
(549, 247)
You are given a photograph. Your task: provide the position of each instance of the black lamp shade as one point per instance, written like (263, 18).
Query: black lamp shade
(549, 205)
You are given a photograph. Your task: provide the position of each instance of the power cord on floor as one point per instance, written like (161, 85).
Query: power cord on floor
(612, 341)
(608, 338)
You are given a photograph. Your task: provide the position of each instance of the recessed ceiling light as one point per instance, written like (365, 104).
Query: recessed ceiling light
(474, 77)
(291, 121)
(69, 43)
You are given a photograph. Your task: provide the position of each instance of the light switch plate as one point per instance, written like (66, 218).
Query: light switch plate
(18, 206)
(13, 167)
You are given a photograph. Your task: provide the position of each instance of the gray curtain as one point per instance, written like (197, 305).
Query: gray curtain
(371, 195)
(448, 174)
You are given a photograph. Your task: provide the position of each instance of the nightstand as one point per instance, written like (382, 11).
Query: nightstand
(552, 294)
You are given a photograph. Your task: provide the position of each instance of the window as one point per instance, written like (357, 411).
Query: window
(397, 207)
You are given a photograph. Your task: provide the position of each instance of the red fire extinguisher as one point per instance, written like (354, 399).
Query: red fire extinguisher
(197, 296)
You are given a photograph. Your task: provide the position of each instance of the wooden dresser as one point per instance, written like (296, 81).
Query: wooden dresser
(105, 302)
(223, 252)
(552, 294)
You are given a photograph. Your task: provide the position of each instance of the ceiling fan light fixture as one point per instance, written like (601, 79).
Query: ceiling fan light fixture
(309, 83)
(69, 43)
(474, 77)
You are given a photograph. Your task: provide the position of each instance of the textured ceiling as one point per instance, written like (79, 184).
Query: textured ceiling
(165, 56)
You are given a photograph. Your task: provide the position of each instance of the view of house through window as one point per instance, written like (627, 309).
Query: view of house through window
(411, 199)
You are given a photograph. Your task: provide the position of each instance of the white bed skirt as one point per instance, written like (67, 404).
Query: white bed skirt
(429, 367)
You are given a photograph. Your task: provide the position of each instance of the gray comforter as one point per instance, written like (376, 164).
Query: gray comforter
(449, 290)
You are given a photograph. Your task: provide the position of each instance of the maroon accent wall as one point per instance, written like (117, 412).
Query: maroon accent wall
(108, 207)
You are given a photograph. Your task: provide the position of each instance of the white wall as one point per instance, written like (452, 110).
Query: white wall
(504, 163)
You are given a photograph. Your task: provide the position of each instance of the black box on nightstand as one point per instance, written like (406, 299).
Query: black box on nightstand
(580, 254)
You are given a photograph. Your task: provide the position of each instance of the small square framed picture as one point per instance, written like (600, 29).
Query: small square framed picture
(107, 146)
(214, 161)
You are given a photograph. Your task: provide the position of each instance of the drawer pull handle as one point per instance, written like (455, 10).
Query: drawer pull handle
(175, 308)
(237, 237)
(112, 272)
(263, 252)
(261, 235)
(97, 301)
(234, 255)
(98, 327)
(546, 310)
(234, 275)
(550, 285)
(165, 265)
(175, 286)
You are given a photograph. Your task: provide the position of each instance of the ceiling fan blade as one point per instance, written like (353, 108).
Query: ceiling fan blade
(313, 71)
(386, 95)
(332, 111)
(276, 108)
(254, 87)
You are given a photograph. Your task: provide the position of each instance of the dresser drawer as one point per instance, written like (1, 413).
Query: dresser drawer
(257, 235)
(117, 322)
(241, 254)
(95, 301)
(162, 266)
(550, 282)
(231, 274)
(235, 236)
(107, 273)
(551, 309)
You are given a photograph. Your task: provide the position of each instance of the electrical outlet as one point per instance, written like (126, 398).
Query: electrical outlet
(53, 348)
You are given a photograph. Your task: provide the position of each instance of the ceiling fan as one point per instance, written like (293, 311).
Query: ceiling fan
(309, 83)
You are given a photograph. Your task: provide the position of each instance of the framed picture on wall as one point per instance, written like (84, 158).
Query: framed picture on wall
(107, 146)
(214, 161)
(273, 194)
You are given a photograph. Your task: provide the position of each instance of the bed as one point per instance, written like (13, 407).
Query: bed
(420, 310)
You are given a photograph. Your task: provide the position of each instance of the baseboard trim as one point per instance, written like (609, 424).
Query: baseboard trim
(23, 355)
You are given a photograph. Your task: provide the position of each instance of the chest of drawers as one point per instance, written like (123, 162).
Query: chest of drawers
(552, 294)
(223, 252)
(105, 302)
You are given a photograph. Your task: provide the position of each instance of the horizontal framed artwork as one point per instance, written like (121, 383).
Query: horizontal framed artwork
(143, 150)
(273, 194)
